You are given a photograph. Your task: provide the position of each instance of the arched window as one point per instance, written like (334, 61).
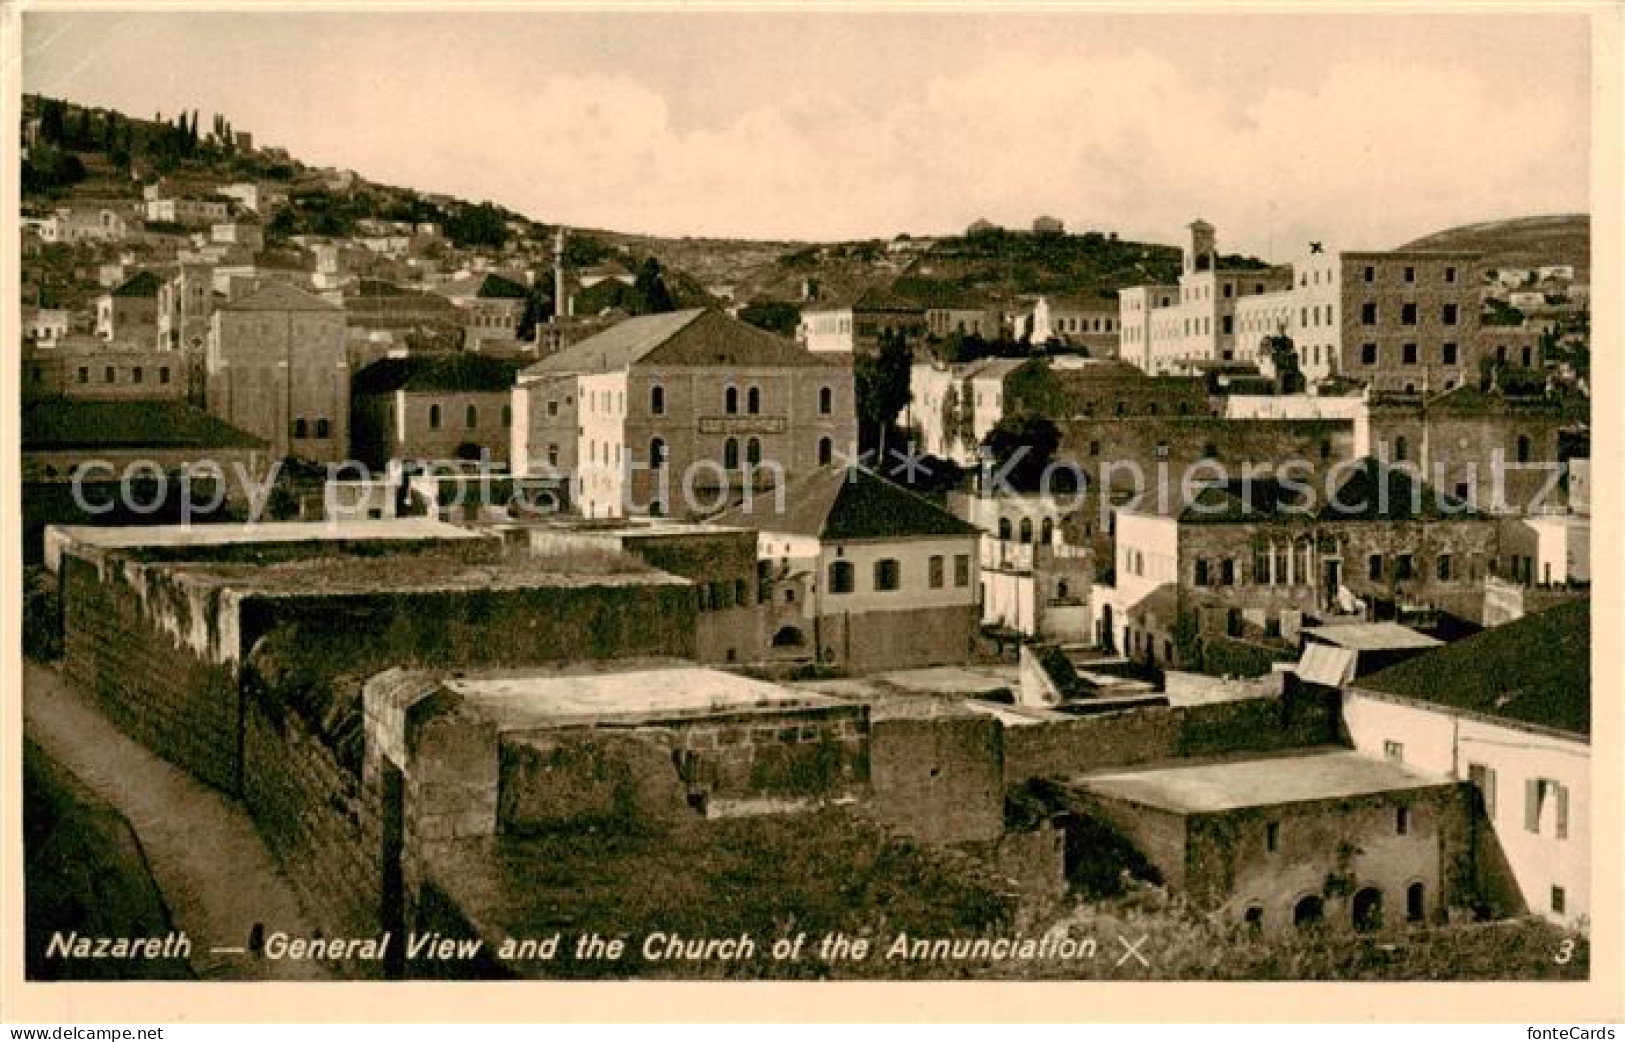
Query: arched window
(1309, 912)
(1046, 532)
(1004, 529)
(826, 400)
(1026, 529)
(1367, 909)
(826, 452)
(888, 574)
(730, 453)
(1523, 448)
(657, 400)
(841, 577)
(657, 453)
(434, 417)
(753, 401)
(1402, 449)
(471, 417)
(1415, 903)
(299, 428)
(753, 451)
(730, 401)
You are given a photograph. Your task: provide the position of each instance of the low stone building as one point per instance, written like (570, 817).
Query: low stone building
(1313, 838)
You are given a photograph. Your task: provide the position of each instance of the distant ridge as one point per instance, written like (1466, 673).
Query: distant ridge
(1520, 242)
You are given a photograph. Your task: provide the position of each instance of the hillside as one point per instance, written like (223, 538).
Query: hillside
(1521, 243)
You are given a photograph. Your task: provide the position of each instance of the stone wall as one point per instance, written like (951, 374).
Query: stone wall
(1145, 735)
(940, 779)
(876, 640)
(125, 643)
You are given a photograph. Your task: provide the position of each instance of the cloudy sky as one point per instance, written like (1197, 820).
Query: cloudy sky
(1361, 130)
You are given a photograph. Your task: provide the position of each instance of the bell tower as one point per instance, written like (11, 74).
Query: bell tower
(1201, 251)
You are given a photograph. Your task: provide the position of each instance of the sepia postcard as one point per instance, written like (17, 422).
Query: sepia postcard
(1050, 509)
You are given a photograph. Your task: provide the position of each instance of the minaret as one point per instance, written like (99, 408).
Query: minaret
(561, 302)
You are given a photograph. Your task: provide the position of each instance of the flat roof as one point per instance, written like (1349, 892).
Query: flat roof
(213, 534)
(1372, 636)
(587, 694)
(1322, 774)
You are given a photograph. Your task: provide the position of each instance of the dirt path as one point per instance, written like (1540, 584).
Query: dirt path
(216, 874)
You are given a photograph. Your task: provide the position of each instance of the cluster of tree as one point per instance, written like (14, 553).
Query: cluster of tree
(1500, 313)
(481, 225)
(49, 171)
(1022, 446)
(962, 348)
(1289, 378)
(775, 316)
(880, 382)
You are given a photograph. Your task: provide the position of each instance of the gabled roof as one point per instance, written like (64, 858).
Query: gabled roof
(838, 503)
(141, 284)
(279, 296)
(459, 372)
(693, 337)
(485, 287)
(1535, 670)
(88, 423)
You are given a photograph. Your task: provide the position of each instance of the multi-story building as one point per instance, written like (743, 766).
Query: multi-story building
(681, 413)
(185, 307)
(492, 308)
(1391, 319)
(857, 326)
(1508, 710)
(954, 407)
(1032, 579)
(189, 210)
(278, 368)
(129, 313)
(255, 196)
(1257, 557)
(870, 575)
(89, 368)
(433, 408)
(1090, 323)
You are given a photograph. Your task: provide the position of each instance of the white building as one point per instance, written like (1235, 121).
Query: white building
(1508, 710)
(954, 407)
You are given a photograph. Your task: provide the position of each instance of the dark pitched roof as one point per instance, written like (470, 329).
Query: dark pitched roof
(693, 337)
(459, 372)
(84, 424)
(141, 284)
(837, 503)
(1536, 670)
(279, 296)
(1369, 490)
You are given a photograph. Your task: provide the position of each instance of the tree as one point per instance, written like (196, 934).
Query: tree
(1025, 444)
(1284, 360)
(474, 226)
(775, 316)
(538, 308)
(881, 384)
(950, 416)
(649, 293)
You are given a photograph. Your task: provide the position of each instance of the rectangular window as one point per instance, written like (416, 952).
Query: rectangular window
(1227, 572)
(1201, 571)
(1394, 751)
(1559, 900)
(936, 572)
(962, 569)
(1450, 314)
(163, 375)
(888, 575)
(1375, 568)
(1272, 836)
(1403, 568)
(136, 375)
(1409, 354)
(1368, 354)
(1450, 274)
(1443, 567)
(1407, 314)
(84, 375)
(1410, 274)
(107, 375)
(1402, 821)
(1229, 324)
(1449, 354)
(1370, 273)
(1484, 779)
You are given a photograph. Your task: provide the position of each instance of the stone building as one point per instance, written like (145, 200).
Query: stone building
(1508, 711)
(1259, 558)
(681, 413)
(277, 367)
(1320, 838)
(954, 407)
(856, 325)
(1390, 319)
(129, 314)
(1034, 580)
(1089, 323)
(883, 579)
(433, 407)
(87, 368)
(492, 307)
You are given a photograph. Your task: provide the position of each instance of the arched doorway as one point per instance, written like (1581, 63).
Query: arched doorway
(1368, 909)
(1309, 912)
(789, 637)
